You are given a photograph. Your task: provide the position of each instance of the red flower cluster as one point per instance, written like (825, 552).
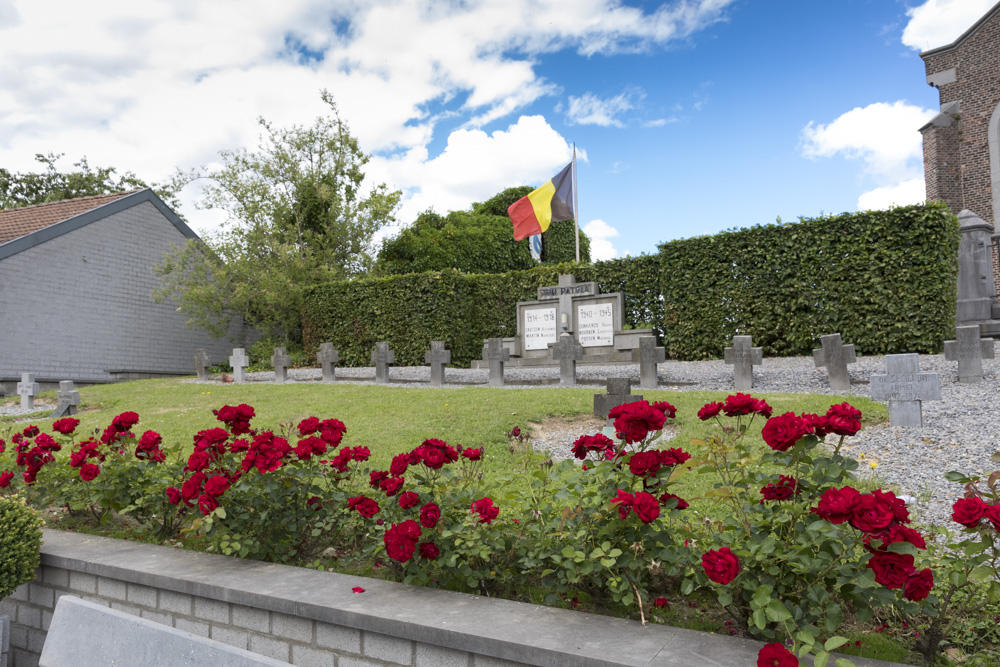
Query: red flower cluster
(970, 511)
(236, 418)
(120, 427)
(783, 489)
(645, 505)
(776, 655)
(434, 454)
(148, 447)
(781, 433)
(401, 540)
(66, 426)
(646, 464)
(265, 453)
(366, 507)
(88, 449)
(485, 509)
(634, 421)
(429, 515)
(744, 404)
(721, 565)
(601, 444)
(34, 454)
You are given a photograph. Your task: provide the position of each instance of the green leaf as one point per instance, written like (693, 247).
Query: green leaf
(760, 619)
(844, 662)
(833, 643)
(821, 659)
(725, 599)
(762, 595)
(220, 512)
(686, 587)
(777, 612)
(980, 574)
(805, 637)
(568, 552)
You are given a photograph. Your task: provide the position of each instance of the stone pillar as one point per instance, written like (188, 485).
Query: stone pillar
(977, 303)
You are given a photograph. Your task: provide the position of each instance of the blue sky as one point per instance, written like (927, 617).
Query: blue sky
(690, 116)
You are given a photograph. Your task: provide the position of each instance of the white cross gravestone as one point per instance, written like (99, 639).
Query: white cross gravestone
(567, 351)
(238, 360)
(281, 361)
(201, 364)
(835, 356)
(619, 393)
(28, 389)
(649, 357)
(382, 356)
(495, 353)
(69, 401)
(969, 350)
(328, 358)
(437, 357)
(742, 356)
(904, 387)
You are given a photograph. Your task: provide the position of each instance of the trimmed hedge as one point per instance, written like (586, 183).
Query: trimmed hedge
(886, 280)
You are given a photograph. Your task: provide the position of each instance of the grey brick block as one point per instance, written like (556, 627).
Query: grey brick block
(339, 638)
(158, 617)
(55, 576)
(178, 603)
(272, 648)
(292, 627)
(8, 607)
(250, 618)
(81, 582)
(303, 656)
(126, 607)
(20, 593)
(29, 617)
(24, 659)
(211, 610)
(390, 649)
(111, 588)
(41, 595)
(19, 636)
(194, 627)
(36, 638)
(358, 662)
(230, 636)
(428, 655)
(142, 595)
(46, 620)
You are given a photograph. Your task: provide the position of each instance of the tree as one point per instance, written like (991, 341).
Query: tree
(479, 240)
(297, 217)
(27, 189)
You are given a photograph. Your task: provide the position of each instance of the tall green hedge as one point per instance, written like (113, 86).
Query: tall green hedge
(885, 280)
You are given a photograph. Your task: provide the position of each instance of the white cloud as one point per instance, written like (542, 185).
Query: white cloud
(910, 191)
(600, 234)
(592, 110)
(886, 136)
(940, 22)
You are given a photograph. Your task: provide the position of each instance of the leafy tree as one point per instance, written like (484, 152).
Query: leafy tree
(479, 240)
(297, 216)
(28, 188)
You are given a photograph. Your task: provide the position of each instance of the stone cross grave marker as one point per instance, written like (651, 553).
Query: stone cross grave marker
(649, 357)
(437, 357)
(238, 360)
(69, 400)
(281, 361)
(328, 358)
(835, 356)
(382, 356)
(904, 387)
(201, 364)
(742, 356)
(495, 353)
(28, 389)
(619, 393)
(565, 291)
(969, 350)
(568, 352)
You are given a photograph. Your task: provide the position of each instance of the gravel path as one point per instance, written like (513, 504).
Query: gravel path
(961, 432)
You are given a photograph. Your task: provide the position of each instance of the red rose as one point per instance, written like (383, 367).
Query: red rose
(661, 602)
(216, 485)
(634, 421)
(646, 506)
(599, 443)
(429, 515)
(870, 515)
(820, 425)
(899, 533)
(361, 454)
(776, 655)
(5, 478)
(191, 488)
(332, 431)
(761, 408)
(207, 504)
(645, 464)
(65, 426)
(681, 503)
(918, 585)
(237, 418)
(400, 462)
(89, 471)
(408, 499)
(721, 565)
(783, 489)
(516, 431)
(968, 511)
(673, 456)
(173, 495)
(740, 404)
(198, 461)
(429, 551)
(485, 509)
(31, 431)
(401, 540)
(844, 419)
(837, 505)
(472, 454)
(895, 505)
(891, 569)
(375, 478)
(709, 410)
(391, 485)
(781, 433)
(431, 457)
(668, 410)
(308, 426)
(364, 506)
(624, 501)
(993, 514)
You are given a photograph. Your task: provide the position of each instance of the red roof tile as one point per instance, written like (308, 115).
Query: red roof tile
(17, 222)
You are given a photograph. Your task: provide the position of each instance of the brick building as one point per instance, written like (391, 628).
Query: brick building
(962, 143)
(75, 292)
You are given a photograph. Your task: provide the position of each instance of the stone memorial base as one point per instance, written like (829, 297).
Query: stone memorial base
(624, 351)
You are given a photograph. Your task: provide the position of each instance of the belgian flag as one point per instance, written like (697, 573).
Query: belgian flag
(552, 202)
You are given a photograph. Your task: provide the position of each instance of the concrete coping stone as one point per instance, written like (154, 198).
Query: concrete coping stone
(85, 634)
(516, 631)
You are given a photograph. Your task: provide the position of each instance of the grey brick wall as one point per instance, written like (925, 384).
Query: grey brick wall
(79, 305)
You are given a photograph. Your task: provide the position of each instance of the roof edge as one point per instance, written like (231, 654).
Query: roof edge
(68, 225)
(964, 36)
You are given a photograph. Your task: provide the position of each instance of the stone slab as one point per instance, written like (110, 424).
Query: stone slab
(4, 633)
(85, 634)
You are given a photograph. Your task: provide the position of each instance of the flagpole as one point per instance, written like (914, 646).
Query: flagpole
(576, 207)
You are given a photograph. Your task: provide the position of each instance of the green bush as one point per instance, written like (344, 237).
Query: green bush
(20, 543)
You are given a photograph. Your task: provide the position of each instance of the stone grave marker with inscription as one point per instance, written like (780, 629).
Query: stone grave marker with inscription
(69, 401)
(437, 357)
(238, 360)
(969, 350)
(596, 324)
(201, 364)
(649, 357)
(835, 356)
(28, 389)
(328, 358)
(382, 356)
(540, 328)
(496, 354)
(619, 393)
(742, 356)
(905, 387)
(281, 361)
(567, 352)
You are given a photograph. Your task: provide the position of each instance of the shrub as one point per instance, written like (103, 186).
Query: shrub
(20, 543)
